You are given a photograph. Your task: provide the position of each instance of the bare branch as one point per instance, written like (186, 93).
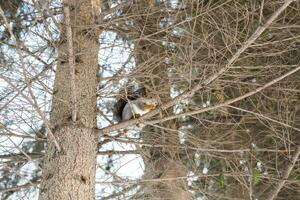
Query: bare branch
(33, 101)
(286, 173)
(228, 102)
(71, 61)
(208, 81)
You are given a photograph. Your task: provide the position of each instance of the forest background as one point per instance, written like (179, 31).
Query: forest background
(225, 73)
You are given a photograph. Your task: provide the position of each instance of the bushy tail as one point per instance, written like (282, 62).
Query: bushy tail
(118, 109)
(122, 101)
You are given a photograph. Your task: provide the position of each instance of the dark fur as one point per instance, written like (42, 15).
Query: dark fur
(122, 101)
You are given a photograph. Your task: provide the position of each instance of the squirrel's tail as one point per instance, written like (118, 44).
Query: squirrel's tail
(118, 109)
(131, 94)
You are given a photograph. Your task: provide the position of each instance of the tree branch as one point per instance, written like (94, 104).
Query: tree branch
(201, 85)
(228, 102)
(33, 101)
(71, 61)
(286, 173)
(26, 185)
(21, 156)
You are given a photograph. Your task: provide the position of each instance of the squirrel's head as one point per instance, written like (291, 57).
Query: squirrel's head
(149, 103)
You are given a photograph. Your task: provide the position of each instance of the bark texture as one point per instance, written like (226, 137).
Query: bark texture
(70, 173)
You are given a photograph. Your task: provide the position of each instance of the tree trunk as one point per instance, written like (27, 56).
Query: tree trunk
(70, 172)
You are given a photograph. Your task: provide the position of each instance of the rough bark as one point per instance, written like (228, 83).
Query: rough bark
(70, 173)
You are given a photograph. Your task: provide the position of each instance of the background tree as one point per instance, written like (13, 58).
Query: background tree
(225, 74)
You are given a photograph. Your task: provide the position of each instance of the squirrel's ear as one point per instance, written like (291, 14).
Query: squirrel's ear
(155, 100)
(141, 92)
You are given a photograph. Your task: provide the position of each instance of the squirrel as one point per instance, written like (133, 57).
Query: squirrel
(134, 105)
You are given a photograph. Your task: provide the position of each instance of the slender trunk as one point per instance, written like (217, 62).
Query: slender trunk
(70, 172)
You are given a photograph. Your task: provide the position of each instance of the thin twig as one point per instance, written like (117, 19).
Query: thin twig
(265, 117)
(201, 85)
(110, 152)
(12, 189)
(286, 173)
(228, 102)
(33, 101)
